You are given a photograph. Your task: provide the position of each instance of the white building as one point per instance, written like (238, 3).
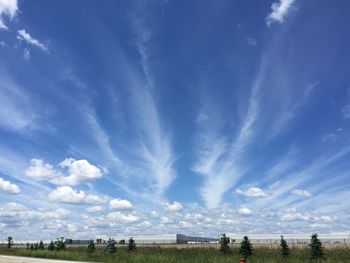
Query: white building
(158, 239)
(331, 238)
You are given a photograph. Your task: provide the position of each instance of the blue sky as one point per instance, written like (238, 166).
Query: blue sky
(198, 117)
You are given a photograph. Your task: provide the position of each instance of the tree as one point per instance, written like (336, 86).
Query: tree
(91, 247)
(9, 242)
(131, 245)
(284, 247)
(31, 246)
(111, 248)
(59, 244)
(51, 246)
(316, 248)
(224, 244)
(246, 248)
(122, 242)
(41, 245)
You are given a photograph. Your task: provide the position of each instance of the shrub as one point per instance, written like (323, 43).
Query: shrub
(131, 245)
(284, 247)
(246, 248)
(91, 247)
(224, 244)
(111, 248)
(316, 248)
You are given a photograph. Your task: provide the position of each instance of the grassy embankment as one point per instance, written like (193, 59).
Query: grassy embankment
(169, 255)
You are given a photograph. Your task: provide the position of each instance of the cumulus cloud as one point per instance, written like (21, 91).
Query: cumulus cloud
(27, 38)
(245, 211)
(120, 204)
(95, 209)
(173, 207)
(302, 193)
(279, 11)
(79, 171)
(66, 194)
(293, 215)
(166, 220)
(38, 170)
(252, 192)
(7, 8)
(8, 187)
(119, 217)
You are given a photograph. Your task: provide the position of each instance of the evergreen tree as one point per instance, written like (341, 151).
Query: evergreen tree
(316, 248)
(284, 247)
(224, 244)
(31, 246)
(91, 247)
(28, 245)
(59, 244)
(41, 245)
(131, 245)
(51, 246)
(111, 248)
(122, 241)
(246, 248)
(9, 242)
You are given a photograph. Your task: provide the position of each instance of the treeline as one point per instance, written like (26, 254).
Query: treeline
(246, 248)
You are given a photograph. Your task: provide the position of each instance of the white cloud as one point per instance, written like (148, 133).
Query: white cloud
(346, 112)
(300, 192)
(166, 220)
(120, 204)
(8, 187)
(173, 207)
(252, 192)
(8, 8)
(251, 41)
(292, 215)
(220, 164)
(26, 54)
(119, 217)
(66, 194)
(279, 11)
(245, 211)
(3, 43)
(95, 209)
(24, 36)
(79, 171)
(39, 170)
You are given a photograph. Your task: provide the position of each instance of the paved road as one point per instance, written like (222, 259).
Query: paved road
(11, 259)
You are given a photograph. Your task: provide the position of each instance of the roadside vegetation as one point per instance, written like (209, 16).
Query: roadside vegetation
(130, 252)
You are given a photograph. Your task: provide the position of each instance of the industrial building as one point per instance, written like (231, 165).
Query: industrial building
(333, 238)
(159, 239)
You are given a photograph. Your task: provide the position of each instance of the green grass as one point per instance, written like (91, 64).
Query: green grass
(169, 255)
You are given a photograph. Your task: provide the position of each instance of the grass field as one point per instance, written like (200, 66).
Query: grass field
(168, 255)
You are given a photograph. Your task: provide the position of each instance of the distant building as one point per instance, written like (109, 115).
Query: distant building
(333, 238)
(159, 239)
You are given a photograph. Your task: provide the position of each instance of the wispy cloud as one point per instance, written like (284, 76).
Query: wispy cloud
(279, 11)
(155, 146)
(17, 111)
(220, 161)
(26, 37)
